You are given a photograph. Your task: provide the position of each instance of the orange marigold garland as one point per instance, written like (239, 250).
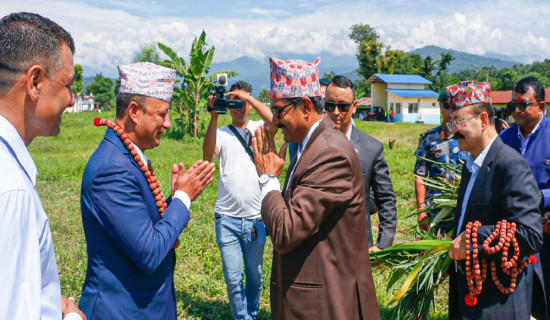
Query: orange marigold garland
(505, 233)
(146, 169)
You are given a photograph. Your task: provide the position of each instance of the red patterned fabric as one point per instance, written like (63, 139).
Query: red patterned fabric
(294, 78)
(466, 93)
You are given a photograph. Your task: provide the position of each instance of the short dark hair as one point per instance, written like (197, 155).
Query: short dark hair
(124, 99)
(343, 82)
(485, 107)
(241, 85)
(27, 39)
(523, 85)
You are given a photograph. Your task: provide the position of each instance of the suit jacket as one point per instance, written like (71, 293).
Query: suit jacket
(376, 174)
(504, 189)
(321, 267)
(130, 256)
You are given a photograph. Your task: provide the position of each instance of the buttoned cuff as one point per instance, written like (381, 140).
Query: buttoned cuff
(72, 316)
(545, 198)
(272, 185)
(184, 197)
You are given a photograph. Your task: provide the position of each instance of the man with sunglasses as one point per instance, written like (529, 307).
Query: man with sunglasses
(340, 105)
(496, 184)
(437, 145)
(321, 267)
(530, 136)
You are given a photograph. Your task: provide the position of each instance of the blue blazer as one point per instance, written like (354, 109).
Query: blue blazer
(537, 154)
(130, 256)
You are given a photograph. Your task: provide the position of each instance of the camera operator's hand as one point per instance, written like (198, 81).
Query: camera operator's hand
(211, 98)
(263, 110)
(265, 153)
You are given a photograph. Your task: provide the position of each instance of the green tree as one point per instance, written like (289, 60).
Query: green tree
(443, 63)
(363, 32)
(329, 76)
(428, 66)
(369, 58)
(147, 53)
(264, 96)
(103, 90)
(78, 79)
(361, 89)
(191, 96)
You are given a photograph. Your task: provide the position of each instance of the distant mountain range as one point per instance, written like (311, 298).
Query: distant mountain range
(257, 72)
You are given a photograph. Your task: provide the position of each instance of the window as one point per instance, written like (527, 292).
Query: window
(398, 107)
(413, 107)
(391, 105)
(433, 104)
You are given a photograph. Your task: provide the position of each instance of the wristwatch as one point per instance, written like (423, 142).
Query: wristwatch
(264, 178)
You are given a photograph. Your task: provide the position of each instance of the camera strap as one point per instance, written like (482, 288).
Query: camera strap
(241, 140)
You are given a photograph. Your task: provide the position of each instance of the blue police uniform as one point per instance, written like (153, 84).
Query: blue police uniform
(436, 145)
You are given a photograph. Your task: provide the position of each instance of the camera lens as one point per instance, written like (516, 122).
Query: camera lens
(222, 80)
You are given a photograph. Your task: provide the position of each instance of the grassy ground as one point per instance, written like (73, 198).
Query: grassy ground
(198, 277)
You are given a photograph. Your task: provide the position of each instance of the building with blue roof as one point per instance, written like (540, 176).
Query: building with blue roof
(406, 95)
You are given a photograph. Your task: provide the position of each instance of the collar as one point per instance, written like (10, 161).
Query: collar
(520, 136)
(10, 134)
(309, 134)
(348, 134)
(473, 164)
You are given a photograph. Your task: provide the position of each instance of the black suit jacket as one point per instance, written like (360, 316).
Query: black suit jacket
(376, 174)
(504, 189)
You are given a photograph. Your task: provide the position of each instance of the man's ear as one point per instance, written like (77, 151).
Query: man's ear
(307, 107)
(354, 106)
(542, 106)
(134, 111)
(34, 81)
(484, 117)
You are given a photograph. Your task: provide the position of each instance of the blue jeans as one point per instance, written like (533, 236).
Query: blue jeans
(236, 243)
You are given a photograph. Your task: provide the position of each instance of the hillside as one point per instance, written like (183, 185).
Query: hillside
(464, 60)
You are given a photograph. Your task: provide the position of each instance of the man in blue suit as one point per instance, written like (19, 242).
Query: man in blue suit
(530, 136)
(130, 229)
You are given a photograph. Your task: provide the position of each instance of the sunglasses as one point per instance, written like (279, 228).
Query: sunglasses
(277, 111)
(342, 106)
(512, 105)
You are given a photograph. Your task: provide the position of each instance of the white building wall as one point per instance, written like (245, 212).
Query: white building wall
(407, 86)
(379, 94)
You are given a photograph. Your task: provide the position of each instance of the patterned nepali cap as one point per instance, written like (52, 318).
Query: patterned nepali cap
(466, 93)
(294, 78)
(147, 79)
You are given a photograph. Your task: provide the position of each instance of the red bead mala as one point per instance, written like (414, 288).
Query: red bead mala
(505, 233)
(147, 170)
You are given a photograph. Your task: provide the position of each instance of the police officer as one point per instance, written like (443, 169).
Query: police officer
(436, 144)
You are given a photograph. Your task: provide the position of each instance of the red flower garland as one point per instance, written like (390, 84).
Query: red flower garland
(506, 232)
(147, 170)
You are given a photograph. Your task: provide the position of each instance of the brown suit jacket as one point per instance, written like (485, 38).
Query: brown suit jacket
(321, 267)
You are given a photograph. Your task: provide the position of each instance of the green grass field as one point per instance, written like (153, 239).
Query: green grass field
(198, 277)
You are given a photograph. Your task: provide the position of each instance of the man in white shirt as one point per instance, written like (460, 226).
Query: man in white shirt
(36, 74)
(240, 232)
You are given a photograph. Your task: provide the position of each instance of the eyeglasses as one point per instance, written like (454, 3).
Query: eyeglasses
(457, 124)
(342, 106)
(523, 106)
(277, 111)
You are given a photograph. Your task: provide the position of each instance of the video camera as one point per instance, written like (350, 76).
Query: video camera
(222, 103)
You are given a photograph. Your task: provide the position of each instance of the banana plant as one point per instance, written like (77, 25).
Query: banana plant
(191, 92)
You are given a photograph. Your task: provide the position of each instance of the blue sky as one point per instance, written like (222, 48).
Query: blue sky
(108, 33)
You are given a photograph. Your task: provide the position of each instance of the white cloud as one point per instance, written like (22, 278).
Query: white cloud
(107, 37)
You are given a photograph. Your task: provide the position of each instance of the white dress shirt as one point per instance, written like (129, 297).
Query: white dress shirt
(29, 280)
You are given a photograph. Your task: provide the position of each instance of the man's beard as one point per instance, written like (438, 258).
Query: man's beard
(281, 126)
(458, 136)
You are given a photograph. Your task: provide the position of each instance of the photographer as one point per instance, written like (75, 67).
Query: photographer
(240, 232)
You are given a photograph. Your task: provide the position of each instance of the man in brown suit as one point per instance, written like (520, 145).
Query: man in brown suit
(321, 266)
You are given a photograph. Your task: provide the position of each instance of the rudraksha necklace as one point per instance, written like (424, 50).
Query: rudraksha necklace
(148, 171)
